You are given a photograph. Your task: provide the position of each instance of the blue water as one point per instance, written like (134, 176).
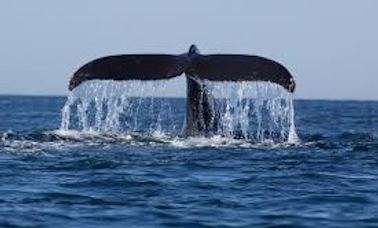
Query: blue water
(54, 180)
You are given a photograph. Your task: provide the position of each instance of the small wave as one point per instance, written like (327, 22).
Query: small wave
(58, 140)
(349, 176)
(354, 141)
(162, 138)
(89, 135)
(220, 141)
(33, 143)
(357, 136)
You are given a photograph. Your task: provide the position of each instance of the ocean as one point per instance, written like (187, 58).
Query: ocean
(60, 178)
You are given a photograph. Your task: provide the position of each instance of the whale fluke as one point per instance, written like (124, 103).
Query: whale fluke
(209, 67)
(241, 68)
(130, 67)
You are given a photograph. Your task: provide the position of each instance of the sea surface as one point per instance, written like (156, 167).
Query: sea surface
(50, 178)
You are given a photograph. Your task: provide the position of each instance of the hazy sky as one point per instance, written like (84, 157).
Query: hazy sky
(330, 46)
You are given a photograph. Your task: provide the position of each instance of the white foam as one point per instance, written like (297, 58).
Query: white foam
(260, 111)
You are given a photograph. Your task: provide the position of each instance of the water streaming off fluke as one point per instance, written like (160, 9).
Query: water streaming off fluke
(253, 111)
(260, 111)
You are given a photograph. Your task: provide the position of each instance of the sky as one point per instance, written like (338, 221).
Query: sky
(329, 46)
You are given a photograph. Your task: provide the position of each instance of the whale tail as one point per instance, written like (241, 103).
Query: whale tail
(197, 67)
(159, 66)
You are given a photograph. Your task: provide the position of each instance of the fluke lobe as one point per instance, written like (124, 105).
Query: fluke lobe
(201, 117)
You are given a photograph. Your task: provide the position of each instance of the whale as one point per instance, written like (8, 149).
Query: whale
(201, 117)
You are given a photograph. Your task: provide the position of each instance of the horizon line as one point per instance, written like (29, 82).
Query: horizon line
(295, 98)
